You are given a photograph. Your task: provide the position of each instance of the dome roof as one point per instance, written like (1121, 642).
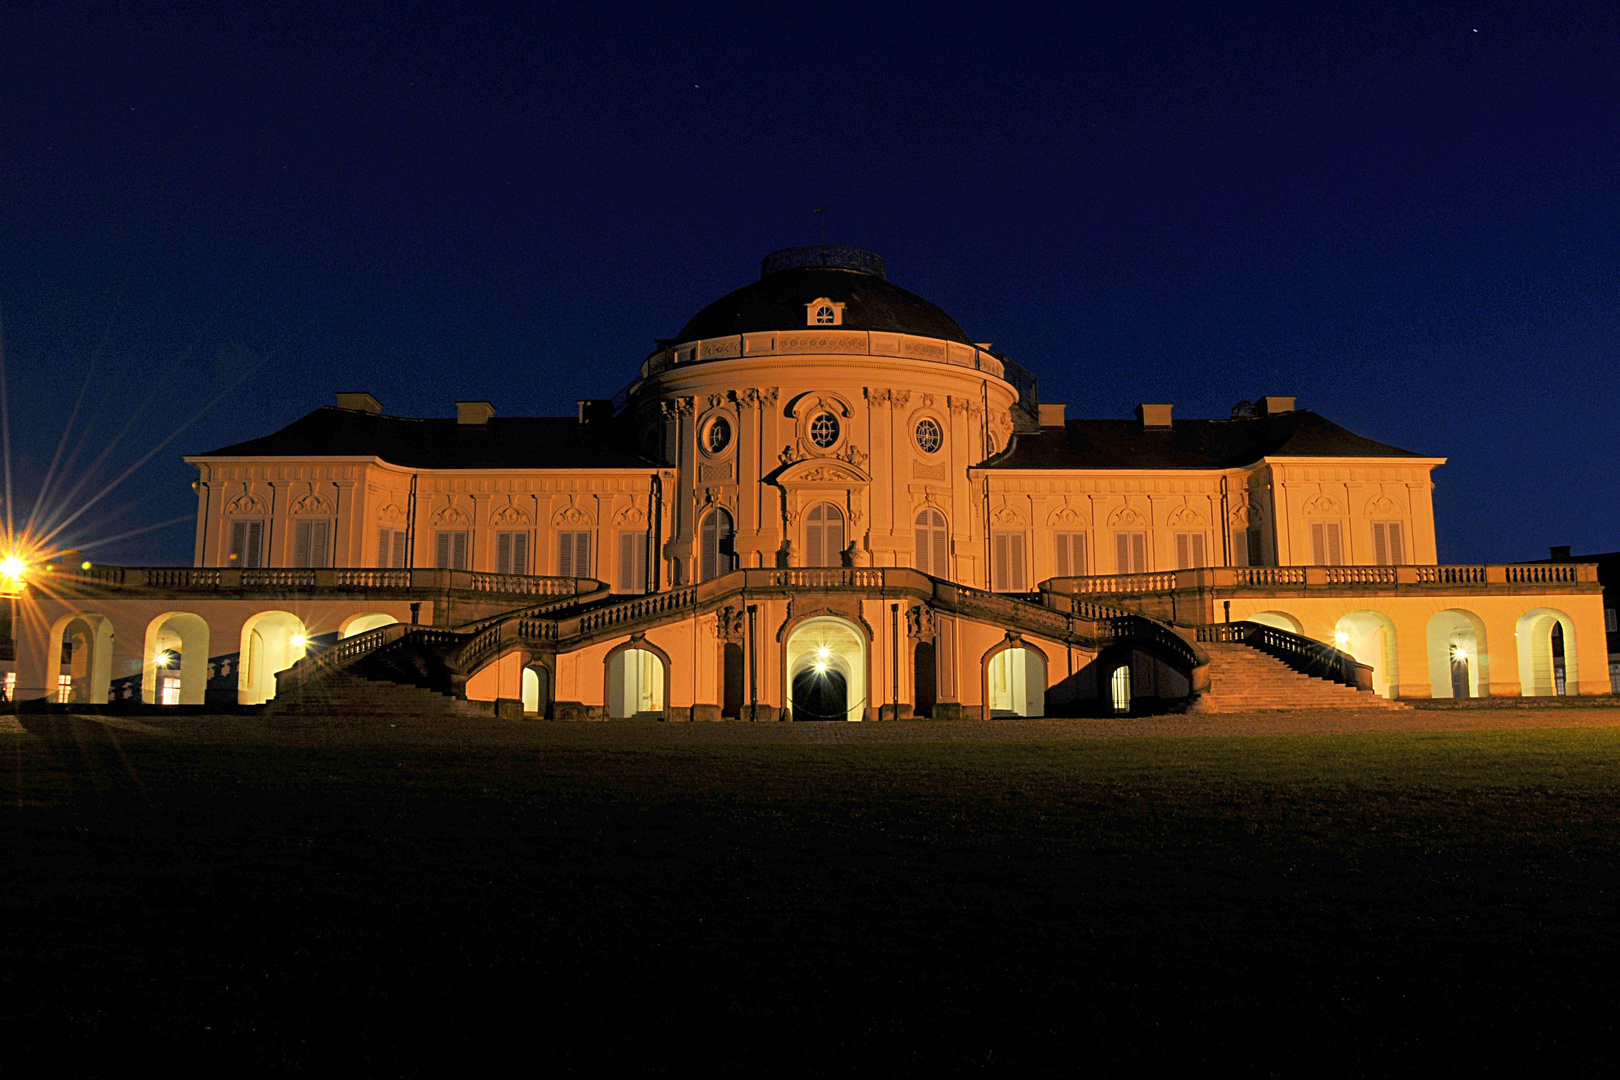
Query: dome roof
(791, 279)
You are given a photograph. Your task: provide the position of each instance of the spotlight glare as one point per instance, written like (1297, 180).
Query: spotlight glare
(162, 658)
(1341, 637)
(297, 641)
(1461, 653)
(819, 667)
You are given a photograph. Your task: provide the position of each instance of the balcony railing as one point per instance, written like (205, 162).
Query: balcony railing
(1516, 577)
(190, 579)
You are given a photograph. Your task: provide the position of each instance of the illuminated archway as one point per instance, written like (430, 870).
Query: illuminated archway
(174, 667)
(1457, 658)
(1279, 619)
(272, 641)
(1369, 636)
(359, 624)
(81, 648)
(637, 680)
(1538, 665)
(536, 690)
(1015, 680)
(828, 648)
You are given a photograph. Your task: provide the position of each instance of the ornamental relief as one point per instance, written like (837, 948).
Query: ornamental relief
(310, 505)
(1322, 506)
(451, 515)
(1127, 516)
(631, 517)
(1384, 506)
(247, 504)
(1185, 516)
(391, 514)
(1066, 517)
(1007, 517)
(510, 515)
(573, 514)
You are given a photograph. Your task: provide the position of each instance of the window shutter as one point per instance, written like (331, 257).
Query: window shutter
(1397, 551)
(503, 553)
(1002, 569)
(400, 554)
(319, 534)
(385, 544)
(1257, 556)
(565, 554)
(441, 551)
(709, 543)
(1122, 546)
(1183, 550)
(925, 539)
(238, 542)
(1139, 553)
(1335, 551)
(582, 554)
(629, 579)
(1318, 543)
(1063, 569)
(520, 553)
(1198, 559)
(1015, 550)
(301, 542)
(459, 551)
(833, 540)
(812, 537)
(942, 551)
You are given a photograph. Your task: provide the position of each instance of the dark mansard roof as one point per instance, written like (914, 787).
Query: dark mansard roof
(1188, 444)
(793, 278)
(514, 442)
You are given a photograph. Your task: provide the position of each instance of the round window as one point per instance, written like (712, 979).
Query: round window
(717, 436)
(824, 430)
(929, 437)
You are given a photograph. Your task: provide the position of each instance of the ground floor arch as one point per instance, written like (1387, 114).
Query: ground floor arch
(924, 679)
(174, 667)
(272, 641)
(359, 624)
(1457, 656)
(1369, 636)
(536, 690)
(826, 668)
(81, 651)
(1015, 680)
(1546, 647)
(637, 675)
(1280, 620)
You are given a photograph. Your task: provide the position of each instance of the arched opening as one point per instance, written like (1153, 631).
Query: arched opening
(359, 624)
(536, 690)
(1369, 636)
(174, 670)
(1546, 640)
(828, 655)
(1015, 681)
(933, 547)
(272, 641)
(1279, 619)
(717, 545)
(83, 644)
(635, 683)
(924, 680)
(823, 535)
(1457, 657)
(1119, 689)
(731, 680)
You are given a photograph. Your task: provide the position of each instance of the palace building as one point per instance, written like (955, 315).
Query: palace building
(821, 499)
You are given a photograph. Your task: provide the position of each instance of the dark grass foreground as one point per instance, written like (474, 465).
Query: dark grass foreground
(545, 899)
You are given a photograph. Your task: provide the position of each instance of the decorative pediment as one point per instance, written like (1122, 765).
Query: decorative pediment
(1322, 506)
(1126, 517)
(451, 515)
(809, 404)
(391, 514)
(310, 505)
(1185, 517)
(510, 515)
(246, 504)
(631, 517)
(1065, 517)
(831, 472)
(1383, 506)
(1006, 516)
(573, 514)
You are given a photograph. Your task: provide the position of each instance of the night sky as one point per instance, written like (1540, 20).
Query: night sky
(1407, 215)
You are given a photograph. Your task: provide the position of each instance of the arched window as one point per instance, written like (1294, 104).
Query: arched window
(719, 546)
(932, 552)
(823, 535)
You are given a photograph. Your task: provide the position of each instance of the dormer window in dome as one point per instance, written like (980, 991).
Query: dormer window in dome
(824, 312)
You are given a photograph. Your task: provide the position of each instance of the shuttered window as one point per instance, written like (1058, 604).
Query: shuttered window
(1257, 555)
(1190, 551)
(1071, 554)
(1130, 552)
(1388, 546)
(512, 553)
(1008, 571)
(1326, 549)
(247, 543)
(450, 550)
(933, 544)
(574, 554)
(632, 562)
(310, 543)
(823, 535)
(717, 540)
(391, 547)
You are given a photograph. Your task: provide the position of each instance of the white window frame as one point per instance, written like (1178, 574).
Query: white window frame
(391, 543)
(1192, 551)
(574, 553)
(1009, 562)
(312, 542)
(1327, 543)
(247, 543)
(452, 549)
(1389, 543)
(512, 552)
(1069, 554)
(633, 561)
(933, 540)
(820, 532)
(1131, 552)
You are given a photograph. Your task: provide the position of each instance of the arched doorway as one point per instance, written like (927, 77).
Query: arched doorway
(731, 680)
(1015, 681)
(174, 670)
(933, 546)
(924, 680)
(826, 669)
(823, 535)
(272, 641)
(636, 681)
(1457, 657)
(1369, 636)
(1119, 689)
(717, 544)
(1545, 669)
(83, 645)
(536, 690)
(1281, 620)
(359, 624)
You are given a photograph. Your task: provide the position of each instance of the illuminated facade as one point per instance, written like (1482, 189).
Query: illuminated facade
(821, 499)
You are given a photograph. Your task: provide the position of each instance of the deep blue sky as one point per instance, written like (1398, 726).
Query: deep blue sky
(1408, 218)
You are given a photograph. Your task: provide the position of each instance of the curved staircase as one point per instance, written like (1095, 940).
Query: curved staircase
(1244, 679)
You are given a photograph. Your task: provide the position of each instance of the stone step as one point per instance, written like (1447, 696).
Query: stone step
(1242, 679)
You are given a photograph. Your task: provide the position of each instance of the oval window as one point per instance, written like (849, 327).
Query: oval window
(929, 436)
(824, 430)
(717, 436)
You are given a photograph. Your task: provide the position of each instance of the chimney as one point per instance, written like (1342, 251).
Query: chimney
(1154, 415)
(595, 410)
(474, 412)
(1273, 404)
(1051, 415)
(1560, 553)
(359, 401)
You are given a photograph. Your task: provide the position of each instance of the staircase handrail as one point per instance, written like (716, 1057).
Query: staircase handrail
(338, 656)
(1305, 655)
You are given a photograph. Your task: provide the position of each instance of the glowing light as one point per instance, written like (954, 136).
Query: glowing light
(12, 566)
(162, 658)
(1460, 653)
(297, 641)
(823, 652)
(1341, 637)
(819, 667)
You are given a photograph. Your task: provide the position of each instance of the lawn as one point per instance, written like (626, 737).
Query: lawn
(429, 900)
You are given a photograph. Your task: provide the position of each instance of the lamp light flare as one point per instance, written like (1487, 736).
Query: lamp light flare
(297, 641)
(819, 667)
(162, 658)
(1460, 653)
(1341, 637)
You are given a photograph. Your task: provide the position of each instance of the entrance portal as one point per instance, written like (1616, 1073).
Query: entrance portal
(820, 695)
(826, 669)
